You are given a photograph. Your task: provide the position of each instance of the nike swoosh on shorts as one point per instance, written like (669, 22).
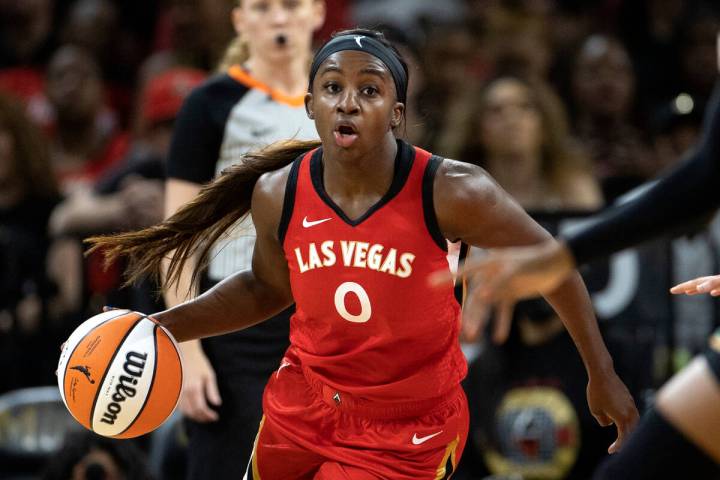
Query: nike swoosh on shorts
(420, 440)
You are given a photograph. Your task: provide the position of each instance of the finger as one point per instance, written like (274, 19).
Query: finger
(484, 268)
(202, 409)
(474, 317)
(212, 392)
(603, 419)
(690, 285)
(197, 407)
(715, 293)
(703, 288)
(679, 289)
(712, 283)
(622, 430)
(503, 321)
(615, 446)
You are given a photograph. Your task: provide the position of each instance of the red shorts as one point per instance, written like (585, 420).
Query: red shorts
(312, 432)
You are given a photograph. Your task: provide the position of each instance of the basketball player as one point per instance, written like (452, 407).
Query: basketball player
(370, 385)
(686, 416)
(256, 99)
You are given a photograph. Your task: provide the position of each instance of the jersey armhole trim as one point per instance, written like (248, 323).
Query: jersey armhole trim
(429, 204)
(289, 200)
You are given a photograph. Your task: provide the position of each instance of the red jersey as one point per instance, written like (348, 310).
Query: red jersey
(367, 323)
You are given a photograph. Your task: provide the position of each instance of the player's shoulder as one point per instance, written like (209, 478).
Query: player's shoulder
(268, 197)
(456, 179)
(271, 185)
(274, 182)
(457, 169)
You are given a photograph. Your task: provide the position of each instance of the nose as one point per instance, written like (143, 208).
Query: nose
(347, 103)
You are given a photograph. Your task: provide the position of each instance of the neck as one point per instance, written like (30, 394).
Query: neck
(289, 78)
(365, 173)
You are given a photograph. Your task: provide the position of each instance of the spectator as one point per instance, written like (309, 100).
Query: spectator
(452, 52)
(603, 87)
(94, 26)
(28, 193)
(85, 134)
(519, 133)
(25, 33)
(650, 30)
(190, 34)
(130, 195)
(697, 45)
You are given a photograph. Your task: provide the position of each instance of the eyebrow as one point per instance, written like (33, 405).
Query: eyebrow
(330, 68)
(371, 70)
(374, 71)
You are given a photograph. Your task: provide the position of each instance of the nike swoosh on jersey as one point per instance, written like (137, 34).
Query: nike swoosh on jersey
(420, 440)
(307, 223)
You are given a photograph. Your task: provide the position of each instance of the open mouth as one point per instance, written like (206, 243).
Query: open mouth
(345, 135)
(346, 130)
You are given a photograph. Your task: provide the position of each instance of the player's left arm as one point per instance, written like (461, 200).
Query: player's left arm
(470, 206)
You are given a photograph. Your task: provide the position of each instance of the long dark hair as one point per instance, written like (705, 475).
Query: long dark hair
(195, 227)
(30, 158)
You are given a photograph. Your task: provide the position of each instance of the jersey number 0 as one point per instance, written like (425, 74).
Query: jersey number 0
(365, 309)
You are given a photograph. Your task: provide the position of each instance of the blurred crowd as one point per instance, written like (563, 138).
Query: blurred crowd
(569, 105)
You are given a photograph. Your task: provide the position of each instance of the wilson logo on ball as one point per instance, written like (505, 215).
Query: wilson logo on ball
(133, 366)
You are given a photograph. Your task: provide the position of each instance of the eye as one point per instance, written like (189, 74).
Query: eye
(370, 91)
(331, 87)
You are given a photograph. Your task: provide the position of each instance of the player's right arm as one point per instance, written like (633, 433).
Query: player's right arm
(249, 297)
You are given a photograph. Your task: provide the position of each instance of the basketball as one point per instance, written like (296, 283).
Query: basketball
(120, 374)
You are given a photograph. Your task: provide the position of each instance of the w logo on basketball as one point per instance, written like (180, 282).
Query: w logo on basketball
(85, 370)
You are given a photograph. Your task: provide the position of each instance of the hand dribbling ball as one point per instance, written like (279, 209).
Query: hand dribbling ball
(120, 374)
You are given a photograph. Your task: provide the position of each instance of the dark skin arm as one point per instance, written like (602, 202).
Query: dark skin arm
(471, 207)
(251, 296)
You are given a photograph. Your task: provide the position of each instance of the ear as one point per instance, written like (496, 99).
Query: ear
(309, 106)
(238, 20)
(397, 115)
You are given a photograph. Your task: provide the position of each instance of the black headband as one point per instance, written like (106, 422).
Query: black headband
(363, 43)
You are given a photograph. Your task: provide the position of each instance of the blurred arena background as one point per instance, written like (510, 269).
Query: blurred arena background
(89, 90)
